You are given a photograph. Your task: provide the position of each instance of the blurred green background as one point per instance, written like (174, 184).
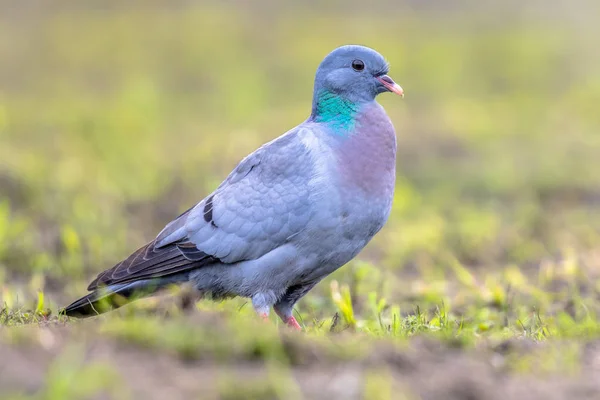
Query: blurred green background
(116, 116)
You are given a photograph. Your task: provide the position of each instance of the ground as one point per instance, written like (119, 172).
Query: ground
(275, 363)
(484, 283)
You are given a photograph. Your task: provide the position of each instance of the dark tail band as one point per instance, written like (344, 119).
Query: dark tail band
(112, 297)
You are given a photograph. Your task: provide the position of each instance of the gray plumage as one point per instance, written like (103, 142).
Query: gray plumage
(290, 213)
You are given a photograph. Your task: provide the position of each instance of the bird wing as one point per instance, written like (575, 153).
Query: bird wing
(257, 208)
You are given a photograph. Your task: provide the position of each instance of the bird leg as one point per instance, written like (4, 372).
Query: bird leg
(264, 316)
(262, 304)
(284, 310)
(291, 322)
(285, 305)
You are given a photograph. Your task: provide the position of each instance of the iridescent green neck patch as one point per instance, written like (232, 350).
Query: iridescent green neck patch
(337, 112)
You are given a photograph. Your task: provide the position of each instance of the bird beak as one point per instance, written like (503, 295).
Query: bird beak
(390, 85)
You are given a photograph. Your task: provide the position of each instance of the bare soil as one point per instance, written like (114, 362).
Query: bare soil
(422, 369)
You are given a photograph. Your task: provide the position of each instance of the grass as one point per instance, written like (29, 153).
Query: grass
(113, 121)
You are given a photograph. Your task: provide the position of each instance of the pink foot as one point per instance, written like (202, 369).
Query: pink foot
(292, 323)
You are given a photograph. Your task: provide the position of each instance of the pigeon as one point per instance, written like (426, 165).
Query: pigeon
(289, 214)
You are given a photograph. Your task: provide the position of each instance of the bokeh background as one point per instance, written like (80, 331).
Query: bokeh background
(116, 116)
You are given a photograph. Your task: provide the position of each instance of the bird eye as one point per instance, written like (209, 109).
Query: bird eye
(358, 65)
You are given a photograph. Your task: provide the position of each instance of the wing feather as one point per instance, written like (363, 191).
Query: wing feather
(150, 262)
(262, 203)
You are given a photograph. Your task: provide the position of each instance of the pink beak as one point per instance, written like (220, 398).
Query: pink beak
(391, 85)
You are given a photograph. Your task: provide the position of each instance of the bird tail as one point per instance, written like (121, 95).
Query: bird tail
(113, 296)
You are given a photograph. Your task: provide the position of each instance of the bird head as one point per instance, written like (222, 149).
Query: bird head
(355, 73)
